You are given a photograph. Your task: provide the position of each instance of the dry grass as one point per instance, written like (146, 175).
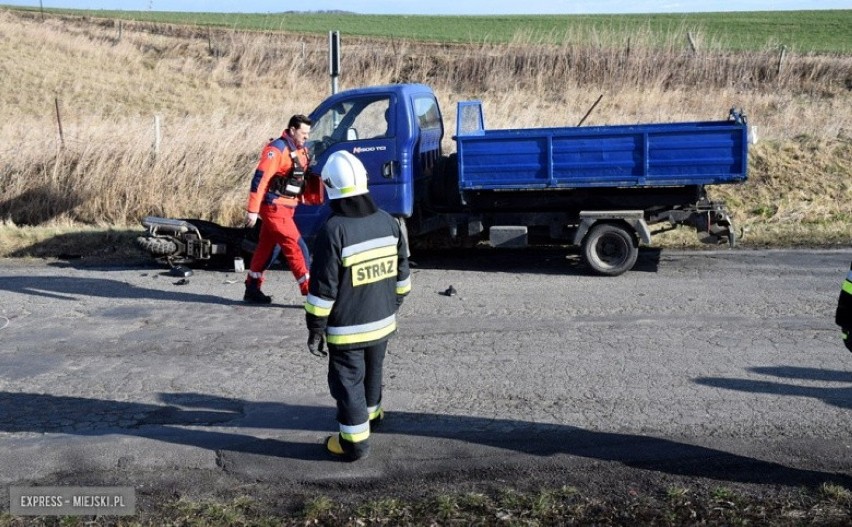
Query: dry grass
(692, 504)
(221, 94)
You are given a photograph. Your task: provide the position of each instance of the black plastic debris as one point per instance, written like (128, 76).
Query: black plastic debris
(180, 270)
(450, 291)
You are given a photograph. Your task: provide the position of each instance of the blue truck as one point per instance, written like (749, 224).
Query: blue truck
(602, 188)
(599, 187)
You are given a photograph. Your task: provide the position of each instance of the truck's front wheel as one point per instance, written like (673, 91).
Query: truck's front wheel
(610, 249)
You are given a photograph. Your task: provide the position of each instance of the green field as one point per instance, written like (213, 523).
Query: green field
(801, 31)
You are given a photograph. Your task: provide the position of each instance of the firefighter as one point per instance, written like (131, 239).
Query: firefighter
(844, 310)
(359, 277)
(277, 187)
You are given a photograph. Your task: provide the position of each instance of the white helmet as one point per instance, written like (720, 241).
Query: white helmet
(344, 176)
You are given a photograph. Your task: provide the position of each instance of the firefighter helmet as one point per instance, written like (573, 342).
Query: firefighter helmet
(344, 176)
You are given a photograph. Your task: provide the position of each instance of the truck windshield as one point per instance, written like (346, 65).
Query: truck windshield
(353, 120)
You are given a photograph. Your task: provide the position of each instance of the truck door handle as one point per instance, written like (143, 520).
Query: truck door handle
(389, 169)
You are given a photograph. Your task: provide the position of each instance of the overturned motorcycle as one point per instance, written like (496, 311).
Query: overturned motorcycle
(193, 242)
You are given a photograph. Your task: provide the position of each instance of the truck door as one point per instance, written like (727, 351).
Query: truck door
(365, 127)
(427, 146)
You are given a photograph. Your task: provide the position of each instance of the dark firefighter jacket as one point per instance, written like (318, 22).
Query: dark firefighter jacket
(358, 275)
(844, 309)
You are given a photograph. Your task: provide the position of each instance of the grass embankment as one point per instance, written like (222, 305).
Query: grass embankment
(218, 95)
(672, 506)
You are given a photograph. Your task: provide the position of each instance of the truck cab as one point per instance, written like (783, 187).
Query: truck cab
(395, 130)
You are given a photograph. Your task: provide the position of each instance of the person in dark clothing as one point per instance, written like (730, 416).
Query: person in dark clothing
(843, 317)
(359, 277)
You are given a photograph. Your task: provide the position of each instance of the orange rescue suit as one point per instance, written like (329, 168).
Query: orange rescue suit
(276, 211)
(275, 160)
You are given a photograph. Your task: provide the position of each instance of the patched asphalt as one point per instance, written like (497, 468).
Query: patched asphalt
(721, 366)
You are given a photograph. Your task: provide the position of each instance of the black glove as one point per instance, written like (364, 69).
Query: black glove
(316, 343)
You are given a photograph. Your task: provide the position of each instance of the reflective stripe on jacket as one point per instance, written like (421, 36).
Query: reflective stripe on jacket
(359, 267)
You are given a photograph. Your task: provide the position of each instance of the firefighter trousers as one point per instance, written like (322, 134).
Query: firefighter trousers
(355, 381)
(279, 229)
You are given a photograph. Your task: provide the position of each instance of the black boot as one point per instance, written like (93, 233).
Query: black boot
(254, 294)
(347, 450)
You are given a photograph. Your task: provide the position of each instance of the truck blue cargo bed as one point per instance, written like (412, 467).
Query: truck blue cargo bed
(643, 155)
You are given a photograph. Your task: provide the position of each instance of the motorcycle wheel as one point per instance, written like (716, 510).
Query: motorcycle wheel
(156, 246)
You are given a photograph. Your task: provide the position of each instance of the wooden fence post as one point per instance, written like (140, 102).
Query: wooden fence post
(781, 57)
(156, 136)
(59, 122)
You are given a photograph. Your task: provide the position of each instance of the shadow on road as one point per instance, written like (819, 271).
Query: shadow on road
(44, 413)
(840, 396)
(537, 260)
(71, 288)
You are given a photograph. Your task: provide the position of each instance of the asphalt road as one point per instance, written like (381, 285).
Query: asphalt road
(719, 368)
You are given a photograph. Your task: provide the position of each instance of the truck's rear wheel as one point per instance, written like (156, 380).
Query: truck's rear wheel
(156, 246)
(610, 249)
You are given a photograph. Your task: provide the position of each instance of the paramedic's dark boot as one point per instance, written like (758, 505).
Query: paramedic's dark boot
(253, 293)
(377, 417)
(347, 450)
